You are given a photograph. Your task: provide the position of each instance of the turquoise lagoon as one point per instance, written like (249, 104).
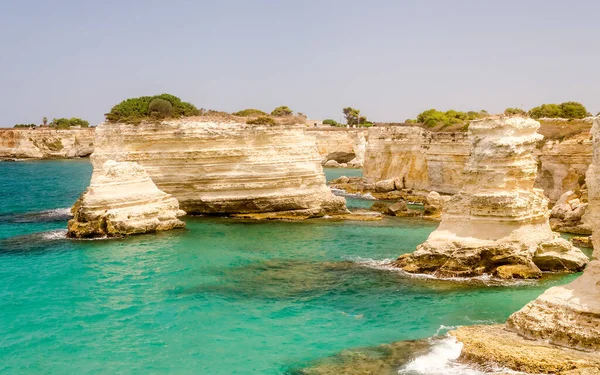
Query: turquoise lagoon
(223, 296)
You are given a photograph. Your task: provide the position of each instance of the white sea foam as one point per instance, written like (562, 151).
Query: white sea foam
(58, 212)
(441, 360)
(53, 235)
(385, 264)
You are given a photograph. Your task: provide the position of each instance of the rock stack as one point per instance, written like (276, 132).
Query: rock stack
(569, 315)
(498, 222)
(122, 200)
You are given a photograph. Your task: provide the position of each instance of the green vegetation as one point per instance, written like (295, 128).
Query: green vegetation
(515, 112)
(433, 117)
(262, 120)
(353, 117)
(45, 121)
(331, 122)
(66, 123)
(160, 108)
(281, 111)
(569, 110)
(25, 126)
(250, 112)
(138, 109)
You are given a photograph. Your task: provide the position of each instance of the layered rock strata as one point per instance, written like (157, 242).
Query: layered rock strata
(568, 212)
(46, 143)
(225, 167)
(569, 315)
(498, 222)
(122, 200)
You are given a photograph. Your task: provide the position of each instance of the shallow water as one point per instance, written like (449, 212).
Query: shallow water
(222, 296)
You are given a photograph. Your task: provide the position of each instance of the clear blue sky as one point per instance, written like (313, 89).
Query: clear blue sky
(391, 59)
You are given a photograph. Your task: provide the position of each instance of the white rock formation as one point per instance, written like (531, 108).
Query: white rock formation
(569, 315)
(225, 167)
(341, 140)
(498, 222)
(46, 143)
(123, 200)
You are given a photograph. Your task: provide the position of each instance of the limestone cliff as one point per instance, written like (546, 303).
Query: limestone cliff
(419, 159)
(225, 167)
(434, 161)
(350, 142)
(498, 222)
(46, 143)
(123, 200)
(569, 315)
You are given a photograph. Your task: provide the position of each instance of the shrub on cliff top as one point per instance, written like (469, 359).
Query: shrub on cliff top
(249, 112)
(262, 120)
(331, 122)
(433, 117)
(281, 111)
(66, 123)
(570, 110)
(25, 126)
(514, 112)
(138, 109)
(160, 108)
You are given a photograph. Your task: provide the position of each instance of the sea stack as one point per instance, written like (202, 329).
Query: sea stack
(498, 223)
(224, 167)
(569, 315)
(122, 200)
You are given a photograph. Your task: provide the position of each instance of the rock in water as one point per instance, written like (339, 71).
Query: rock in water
(569, 315)
(225, 167)
(498, 218)
(123, 200)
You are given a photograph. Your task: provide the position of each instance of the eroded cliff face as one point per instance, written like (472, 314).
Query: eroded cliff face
(498, 222)
(349, 141)
(122, 200)
(569, 315)
(46, 143)
(419, 159)
(225, 168)
(434, 161)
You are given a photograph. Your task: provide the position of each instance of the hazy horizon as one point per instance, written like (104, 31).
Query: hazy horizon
(390, 59)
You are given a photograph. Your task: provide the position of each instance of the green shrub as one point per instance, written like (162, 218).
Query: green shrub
(433, 117)
(570, 110)
(25, 126)
(66, 123)
(250, 112)
(138, 109)
(331, 122)
(160, 108)
(262, 120)
(281, 111)
(514, 112)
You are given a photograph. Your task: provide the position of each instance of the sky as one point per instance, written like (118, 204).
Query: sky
(390, 59)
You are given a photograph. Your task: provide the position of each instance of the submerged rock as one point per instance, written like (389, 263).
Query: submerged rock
(498, 218)
(122, 200)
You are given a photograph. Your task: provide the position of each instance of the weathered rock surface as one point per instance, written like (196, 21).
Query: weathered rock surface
(46, 143)
(122, 200)
(495, 346)
(225, 167)
(498, 218)
(331, 141)
(569, 315)
(434, 204)
(567, 214)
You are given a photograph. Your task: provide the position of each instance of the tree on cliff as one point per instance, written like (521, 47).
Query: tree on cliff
(281, 111)
(352, 115)
(250, 112)
(515, 111)
(45, 121)
(66, 123)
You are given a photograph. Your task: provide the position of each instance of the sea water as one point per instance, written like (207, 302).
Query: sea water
(223, 296)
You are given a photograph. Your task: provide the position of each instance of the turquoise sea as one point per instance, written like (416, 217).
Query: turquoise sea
(223, 296)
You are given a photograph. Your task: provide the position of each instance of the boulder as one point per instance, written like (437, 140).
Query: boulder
(398, 207)
(331, 164)
(340, 156)
(385, 186)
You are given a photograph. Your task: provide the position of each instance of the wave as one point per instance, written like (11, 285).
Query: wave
(53, 235)
(343, 193)
(489, 280)
(442, 360)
